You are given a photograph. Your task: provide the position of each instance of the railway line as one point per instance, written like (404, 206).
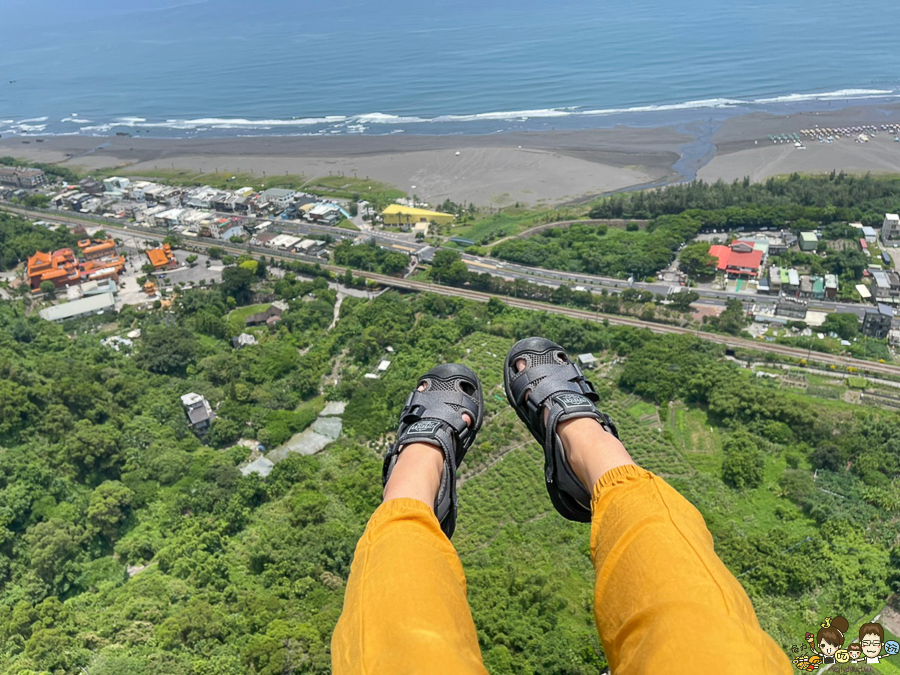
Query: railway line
(728, 341)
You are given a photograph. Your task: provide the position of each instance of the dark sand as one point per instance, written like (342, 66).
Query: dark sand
(499, 169)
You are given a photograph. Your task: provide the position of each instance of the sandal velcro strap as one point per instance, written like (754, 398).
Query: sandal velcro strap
(550, 383)
(439, 406)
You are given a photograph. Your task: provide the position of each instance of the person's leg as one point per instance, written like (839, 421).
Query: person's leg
(663, 601)
(405, 607)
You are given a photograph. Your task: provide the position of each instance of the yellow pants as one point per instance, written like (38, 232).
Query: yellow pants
(663, 601)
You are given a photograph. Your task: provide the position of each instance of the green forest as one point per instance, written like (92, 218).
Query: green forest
(678, 213)
(130, 546)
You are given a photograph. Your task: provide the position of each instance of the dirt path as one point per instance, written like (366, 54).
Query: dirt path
(480, 470)
(337, 310)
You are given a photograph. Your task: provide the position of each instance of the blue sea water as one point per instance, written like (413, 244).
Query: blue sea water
(173, 68)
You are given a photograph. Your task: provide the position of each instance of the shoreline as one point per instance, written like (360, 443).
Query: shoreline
(533, 167)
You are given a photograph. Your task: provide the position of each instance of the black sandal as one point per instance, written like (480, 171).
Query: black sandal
(434, 416)
(551, 380)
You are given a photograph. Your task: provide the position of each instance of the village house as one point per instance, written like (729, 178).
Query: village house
(740, 259)
(20, 177)
(199, 412)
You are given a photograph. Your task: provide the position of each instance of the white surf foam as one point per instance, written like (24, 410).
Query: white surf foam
(840, 94)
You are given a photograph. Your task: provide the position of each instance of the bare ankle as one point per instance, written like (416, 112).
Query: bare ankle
(591, 450)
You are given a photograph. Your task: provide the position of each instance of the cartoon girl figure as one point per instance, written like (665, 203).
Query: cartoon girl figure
(830, 638)
(855, 652)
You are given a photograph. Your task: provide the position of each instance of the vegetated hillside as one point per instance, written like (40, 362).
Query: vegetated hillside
(19, 239)
(99, 471)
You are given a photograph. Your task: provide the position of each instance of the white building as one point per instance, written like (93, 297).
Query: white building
(115, 185)
(167, 218)
(283, 241)
(309, 247)
(96, 304)
(869, 233)
(199, 411)
(278, 196)
(890, 229)
(138, 189)
(201, 198)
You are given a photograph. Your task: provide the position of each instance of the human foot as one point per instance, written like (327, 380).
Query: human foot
(437, 427)
(552, 397)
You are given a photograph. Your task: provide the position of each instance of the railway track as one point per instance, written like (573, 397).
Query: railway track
(479, 296)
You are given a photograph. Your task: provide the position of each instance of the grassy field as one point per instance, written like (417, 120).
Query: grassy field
(338, 187)
(237, 317)
(511, 221)
(348, 187)
(347, 225)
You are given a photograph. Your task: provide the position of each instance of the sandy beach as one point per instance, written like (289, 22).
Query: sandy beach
(548, 167)
(492, 170)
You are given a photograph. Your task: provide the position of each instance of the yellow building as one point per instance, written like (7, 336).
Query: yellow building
(396, 214)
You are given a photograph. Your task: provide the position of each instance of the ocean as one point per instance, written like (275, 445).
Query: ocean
(204, 68)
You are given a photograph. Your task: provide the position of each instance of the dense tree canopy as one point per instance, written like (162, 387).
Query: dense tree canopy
(19, 239)
(129, 545)
(603, 251)
(837, 198)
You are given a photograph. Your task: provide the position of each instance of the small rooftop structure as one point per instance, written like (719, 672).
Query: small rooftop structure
(808, 241)
(587, 360)
(383, 366)
(276, 309)
(261, 465)
(200, 413)
(243, 340)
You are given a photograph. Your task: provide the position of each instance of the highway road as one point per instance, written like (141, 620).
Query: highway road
(552, 278)
(422, 286)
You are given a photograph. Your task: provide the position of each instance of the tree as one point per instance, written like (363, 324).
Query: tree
(696, 261)
(53, 547)
(109, 506)
(682, 301)
(191, 259)
(843, 324)
(48, 289)
(251, 265)
(448, 267)
(237, 282)
(743, 464)
(731, 321)
(827, 456)
(167, 349)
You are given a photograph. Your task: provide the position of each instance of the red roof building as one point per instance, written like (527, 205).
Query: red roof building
(63, 269)
(739, 259)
